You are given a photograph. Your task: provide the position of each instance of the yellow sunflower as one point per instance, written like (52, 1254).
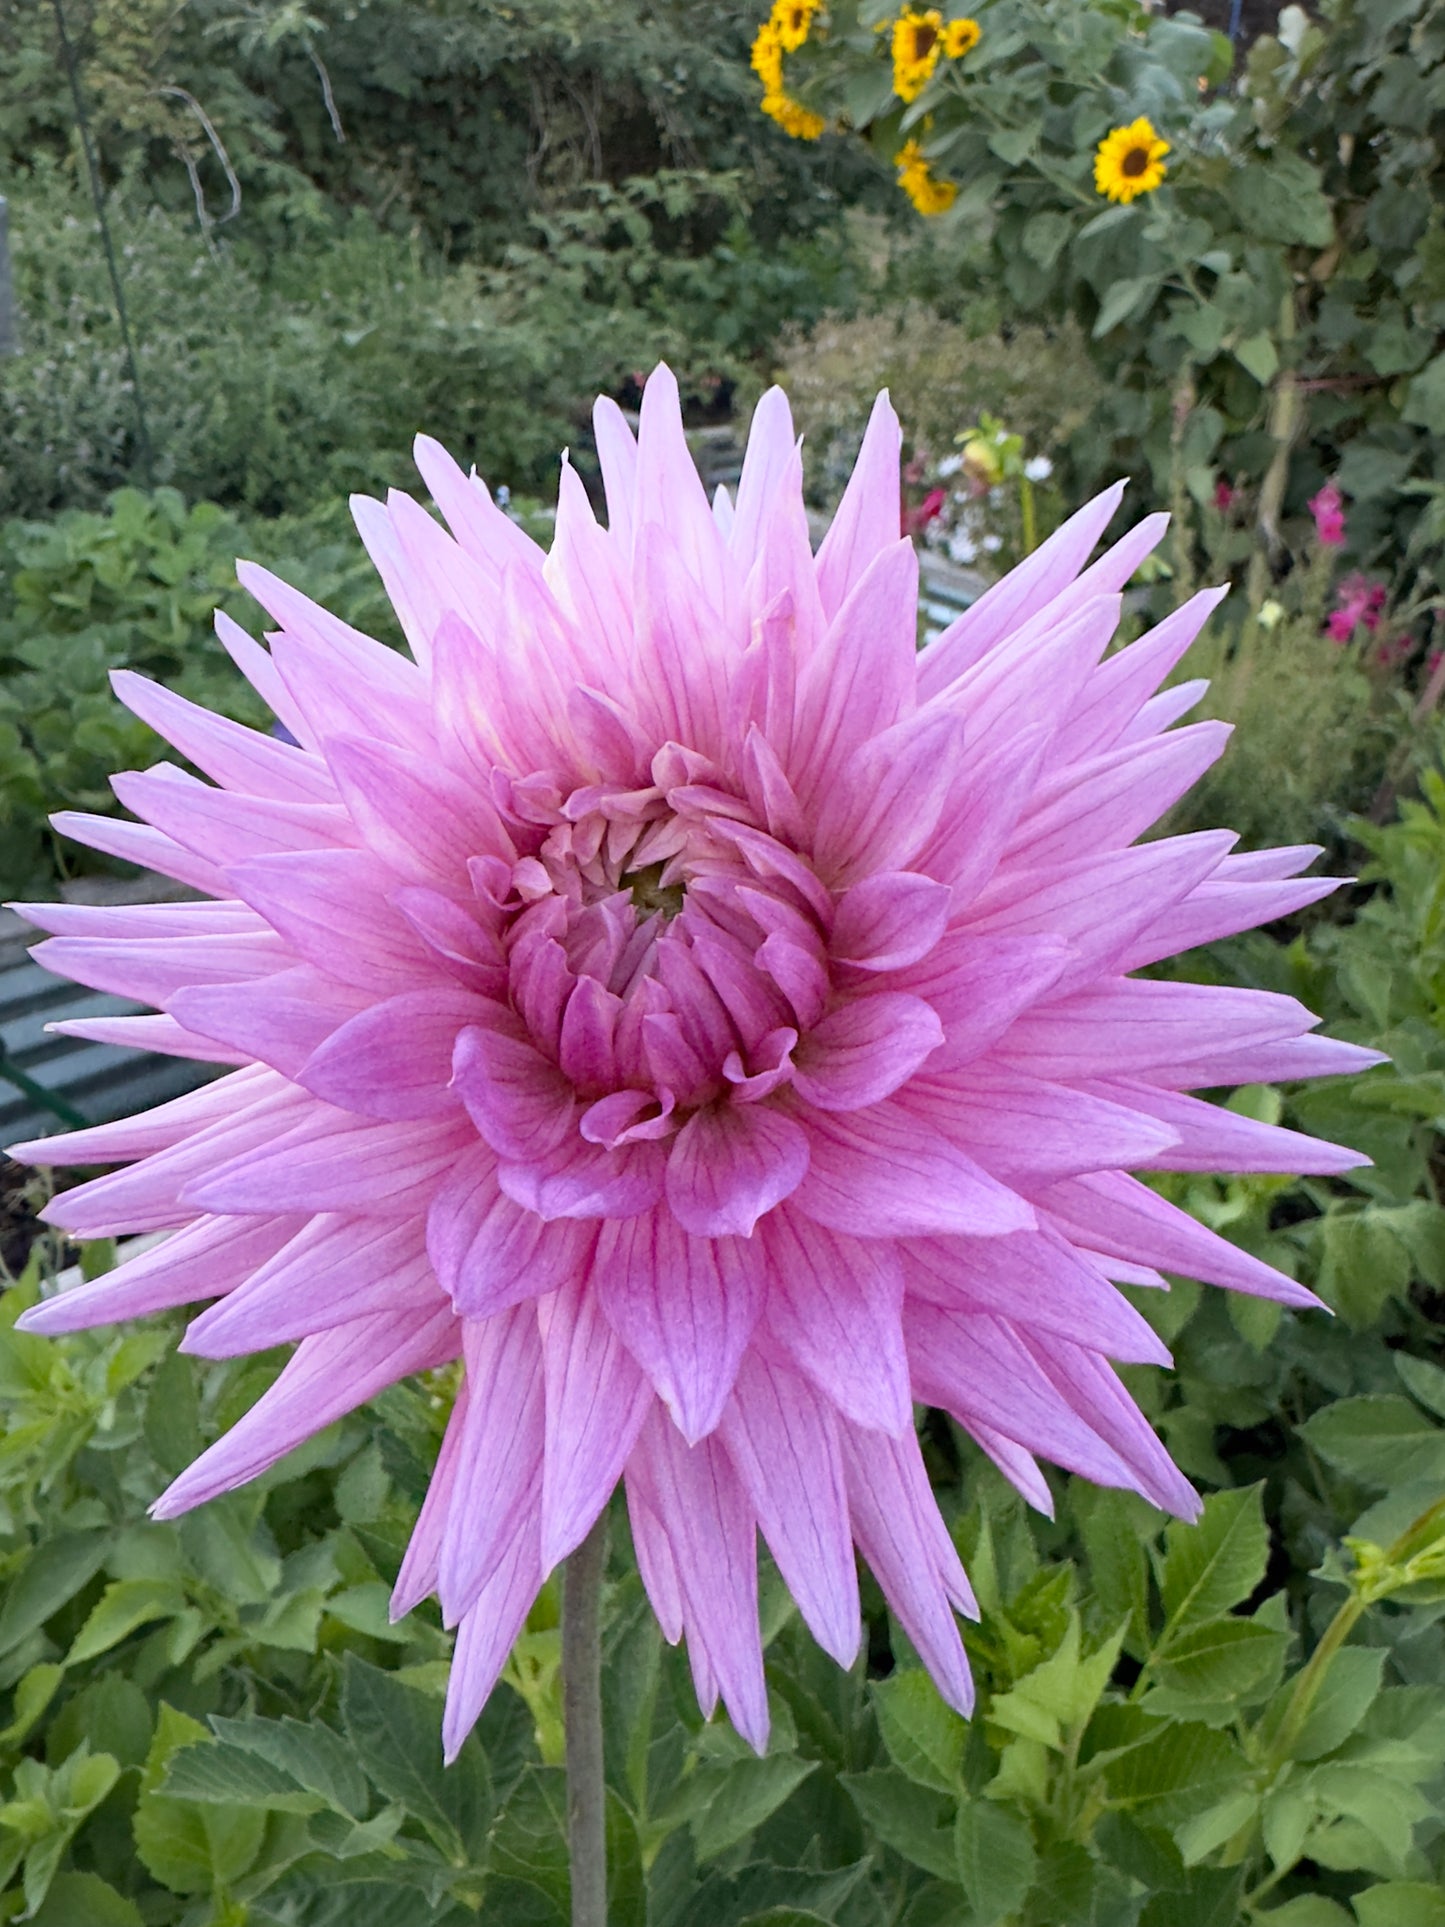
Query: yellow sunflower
(790, 21)
(928, 194)
(917, 45)
(960, 37)
(767, 58)
(1130, 161)
(792, 116)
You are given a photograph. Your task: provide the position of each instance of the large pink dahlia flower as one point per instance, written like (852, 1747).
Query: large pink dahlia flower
(704, 1014)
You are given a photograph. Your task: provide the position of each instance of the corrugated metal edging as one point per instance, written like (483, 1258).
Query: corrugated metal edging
(97, 1082)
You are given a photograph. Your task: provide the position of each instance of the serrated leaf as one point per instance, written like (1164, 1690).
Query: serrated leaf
(1306, 1910)
(396, 1734)
(220, 1775)
(746, 1795)
(311, 1753)
(997, 1859)
(1173, 1773)
(913, 1820)
(1217, 1563)
(1400, 1903)
(529, 1841)
(924, 1737)
(190, 1849)
(85, 1900)
(124, 1606)
(1423, 1381)
(1347, 1692)
(1220, 1659)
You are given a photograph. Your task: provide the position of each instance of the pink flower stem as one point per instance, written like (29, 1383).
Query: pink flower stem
(582, 1721)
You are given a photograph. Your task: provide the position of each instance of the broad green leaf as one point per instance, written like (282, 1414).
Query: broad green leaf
(396, 1734)
(997, 1859)
(1401, 1903)
(220, 1775)
(1201, 1833)
(1258, 355)
(1306, 1910)
(750, 1791)
(1423, 1381)
(1173, 1774)
(912, 1820)
(1210, 1899)
(312, 1753)
(1346, 1694)
(51, 1577)
(1215, 1564)
(1219, 1659)
(1147, 1855)
(1061, 1692)
(124, 1605)
(529, 1841)
(1425, 398)
(924, 1737)
(1123, 298)
(190, 1849)
(85, 1900)
(1379, 1439)
(32, 1696)
(1280, 199)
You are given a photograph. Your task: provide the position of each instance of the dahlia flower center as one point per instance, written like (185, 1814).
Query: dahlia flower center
(651, 895)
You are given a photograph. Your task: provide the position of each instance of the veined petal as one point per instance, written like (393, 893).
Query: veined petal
(487, 1252)
(684, 1307)
(597, 1398)
(835, 1305)
(882, 1173)
(730, 1165)
(863, 1050)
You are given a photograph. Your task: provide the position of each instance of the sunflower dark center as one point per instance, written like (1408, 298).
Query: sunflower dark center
(923, 39)
(1134, 162)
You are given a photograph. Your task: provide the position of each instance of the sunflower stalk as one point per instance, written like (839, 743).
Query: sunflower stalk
(582, 1719)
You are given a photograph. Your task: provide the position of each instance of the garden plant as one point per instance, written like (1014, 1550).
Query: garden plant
(799, 1294)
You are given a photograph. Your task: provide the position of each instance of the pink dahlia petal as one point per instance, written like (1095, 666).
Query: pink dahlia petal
(862, 1051)
(328, 1376)
(205, 1260)
(684, 1307)
(227, 752)
(1120, 687)
(835, 1306)
(701, 1507)
(331, 907)
(160, 1034)
(731, 1165)
(224, 828)
(337, 1269)
(260, 671)
(886, 801)
(278, 1020)
(867, 519)
(584, 1180)
(596, 1400)
(1021, 595)
(499, 1464)
(1134, 1025)
(1024, 1129)
(487, 1633)
(900, 1534)
(335, 1163)
(521, 1104)
(783, 1442)
(883, 1173)
(153, 969)
(394, 1060)
(489, 1253)
(139, 844)
(889, 920)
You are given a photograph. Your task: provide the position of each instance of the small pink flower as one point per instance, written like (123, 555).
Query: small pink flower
(708, 1017)
(916, 520)
(1361, 600)
(1223, 496)
(1328, 509)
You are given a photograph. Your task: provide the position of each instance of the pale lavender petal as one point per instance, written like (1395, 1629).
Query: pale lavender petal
(863, 1050)
(521, 1104)
(731, 1165)
(835, 1306)
(228, 752)
(487, 1633)
(584, 1180)
(783, 1442)
(331, 907)
(499, 1460)
(487, 1252)
(596, 1401)
(685, 1308)
(890, 920)
(328, 1376)
(394, 1060)
(883, 1173)
(868, 515)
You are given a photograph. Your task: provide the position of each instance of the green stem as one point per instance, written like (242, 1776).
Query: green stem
(582, 1718)
(1026, 509)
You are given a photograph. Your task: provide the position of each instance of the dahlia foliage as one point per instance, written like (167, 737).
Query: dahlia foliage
(702, 1014)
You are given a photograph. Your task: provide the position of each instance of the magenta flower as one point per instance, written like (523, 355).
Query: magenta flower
(1360, 600)
(704, 1015)
(1328, 509)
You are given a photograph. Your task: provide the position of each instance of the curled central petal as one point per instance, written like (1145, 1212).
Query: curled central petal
(702, 1014)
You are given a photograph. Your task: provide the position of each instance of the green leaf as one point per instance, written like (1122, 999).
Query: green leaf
(750, 1791)
(924, 1737)
(310, 1752)
(1215, 1564)
(1220, 1659)
(1401, 1903)
(1307, 1910)
(1347, 1692)
(1173, 1773)
(227, 1775)
(1379, 1439)
(121, 1608)
(1124, 297)
(1148, 1856)
(191, 1850)
(32, 1696)
(1423, 1381)
(49, 1579)
(1258, 356)
(529, 1841)
(997, 1860)
(913, 1821)
(1425, 398)
(85, 1900)
(396, 1734)
(1280, 199)
(1061, 1692)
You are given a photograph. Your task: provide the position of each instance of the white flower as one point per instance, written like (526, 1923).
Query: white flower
(950, 465)
(1038, 469)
